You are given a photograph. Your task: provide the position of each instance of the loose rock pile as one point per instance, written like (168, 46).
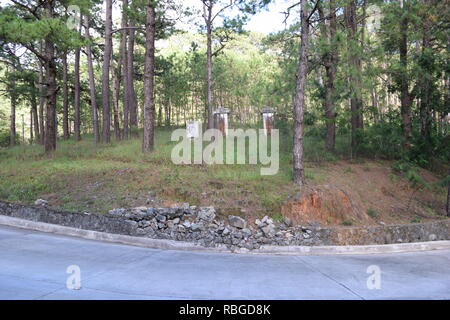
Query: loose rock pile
(200, 225)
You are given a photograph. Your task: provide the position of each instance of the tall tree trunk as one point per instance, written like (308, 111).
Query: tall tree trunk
(41, 105)
(91, 83)
(354, 61)
(23, 128)
(31, 127)
(130, 69)
(12, 127)
(149, 72)
(34, 122)
(124, 71)
(330, 61)
(65, 98)
(50, 67)
(426, 80)
(116, 91)
(209, 82)
(299, 100)
(405, 97)
(105, 74)
(448, 195)
(76, 101)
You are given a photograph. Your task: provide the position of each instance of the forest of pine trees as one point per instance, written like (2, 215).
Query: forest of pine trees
(375, 71)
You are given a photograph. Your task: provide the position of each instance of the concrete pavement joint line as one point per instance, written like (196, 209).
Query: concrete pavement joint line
(23, 278)
(188, 246)
(330, 278)
(128, 294)
(49, 293)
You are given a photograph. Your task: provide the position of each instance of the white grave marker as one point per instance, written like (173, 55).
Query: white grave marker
(192, 129)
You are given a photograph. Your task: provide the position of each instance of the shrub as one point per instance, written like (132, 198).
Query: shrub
(371, 212)
(347, 223)
(5, 138)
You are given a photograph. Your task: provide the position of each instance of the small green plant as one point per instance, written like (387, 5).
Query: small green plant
(415, 179)
(347, 222)
(430, 211)
(371, 212)
(416, 220)
(402, 166)
(277, 217)
(348, 170)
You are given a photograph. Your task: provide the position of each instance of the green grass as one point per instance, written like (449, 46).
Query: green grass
(82, 176)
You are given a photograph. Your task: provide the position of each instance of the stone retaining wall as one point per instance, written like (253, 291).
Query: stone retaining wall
(199, 225)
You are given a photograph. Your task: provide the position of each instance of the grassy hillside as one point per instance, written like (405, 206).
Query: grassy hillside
(82, 177)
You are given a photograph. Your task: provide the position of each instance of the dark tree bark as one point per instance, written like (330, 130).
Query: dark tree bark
(132, 100)
(105, 74)
(426, 87)
(116, 91)
(149, 73)
(209, 90)
(330, 61)
(41, 106)
(31, 126)
(299, 99)
(92, 83)
(12, 118)
(124, 65)
(448, 196)
(34, 122)
(354, 62)
(405, 96)
(65, 98)
(50, 67)
(76, 101)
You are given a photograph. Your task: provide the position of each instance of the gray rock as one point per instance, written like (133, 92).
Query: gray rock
(258, 235)
(161, 225)
(41, 202)
(246, 233)
(131, 223)
(314, 224)
(196, 227)
(432, 237)
(206, 213)
(170, 224)
(187, 224)
(237, 222)
(238, 235)
(118, 211)
(176, 221)
(161, 218)
(267, 220)
(268, 231)
(144, 223)
(171, 213)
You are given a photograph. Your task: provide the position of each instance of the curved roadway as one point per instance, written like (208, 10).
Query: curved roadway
(33, 265)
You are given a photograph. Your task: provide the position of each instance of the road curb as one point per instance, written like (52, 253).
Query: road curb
(189, 246)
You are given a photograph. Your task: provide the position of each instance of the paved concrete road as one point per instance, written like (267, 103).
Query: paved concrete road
(33, 265)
